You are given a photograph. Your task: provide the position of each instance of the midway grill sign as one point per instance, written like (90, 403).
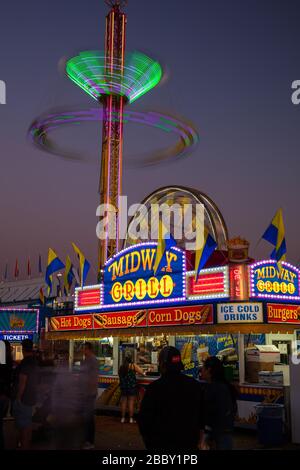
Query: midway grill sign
(129, 277)
(271, 281)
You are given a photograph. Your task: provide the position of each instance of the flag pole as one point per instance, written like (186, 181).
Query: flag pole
(259, 240)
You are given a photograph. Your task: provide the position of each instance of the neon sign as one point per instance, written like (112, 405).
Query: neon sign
(269, 282)
(89, 296)
(238, 282)
(129, 277)
(211, 284)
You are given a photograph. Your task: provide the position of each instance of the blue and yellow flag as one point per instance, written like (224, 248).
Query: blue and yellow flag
(68, 276)
(275, 234)
(204, 253)
(42, 296)
(76, 276)
(84, 265)
(165, 242)
(54, 264)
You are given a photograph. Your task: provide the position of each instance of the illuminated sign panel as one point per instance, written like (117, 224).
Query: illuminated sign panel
(269, 282)
(129, 277)
(19, 321)
(211, 284)
(196, 315)
(247, 312)
(281, 313)
(171, 316)
(70, 322)
(87, 297)
(17, 338)
(238, 275)
(133, 318)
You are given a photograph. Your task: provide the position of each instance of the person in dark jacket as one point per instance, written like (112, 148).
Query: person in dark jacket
(89, 377)
(26, 387)
(219, 404)
(5, 388)
(171, 412)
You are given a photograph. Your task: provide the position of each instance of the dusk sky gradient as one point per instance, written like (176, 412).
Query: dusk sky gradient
(229, 68)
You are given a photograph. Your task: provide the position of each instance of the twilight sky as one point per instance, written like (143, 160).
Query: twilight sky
(230, 65)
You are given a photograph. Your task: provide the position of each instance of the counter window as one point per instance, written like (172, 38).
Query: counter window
(143, 351)
(103, 349)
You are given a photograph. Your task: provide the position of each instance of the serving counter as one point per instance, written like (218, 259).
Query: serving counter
(249, 395)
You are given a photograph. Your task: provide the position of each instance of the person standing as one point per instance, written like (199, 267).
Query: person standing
(26, 384)
(219, 404)
(171, 412)
(89, 375)
(5, 388)
(66, 409)
(128, 386)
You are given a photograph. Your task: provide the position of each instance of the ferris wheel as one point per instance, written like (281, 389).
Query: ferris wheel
(182, 197)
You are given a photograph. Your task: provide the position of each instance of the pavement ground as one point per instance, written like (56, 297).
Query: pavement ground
(111, 434)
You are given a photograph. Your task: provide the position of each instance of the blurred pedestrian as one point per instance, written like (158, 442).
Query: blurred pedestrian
(5, 388)
(220, 406)
(89, 372)
(128, 386)
(25, 394)
(66, 409)
(171, 413)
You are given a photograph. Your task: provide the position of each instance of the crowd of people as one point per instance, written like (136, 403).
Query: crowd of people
(49, 393)
(177, 412)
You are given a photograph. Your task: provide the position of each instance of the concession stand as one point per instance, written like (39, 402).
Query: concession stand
(17, 324)
(246, 312)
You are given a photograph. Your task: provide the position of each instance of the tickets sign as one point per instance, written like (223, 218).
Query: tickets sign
(70, 322)
(196, 315)
(240, 313)
(133, 318)
(281, 313)
(15, 338)
(129, 277)
(268, 280)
